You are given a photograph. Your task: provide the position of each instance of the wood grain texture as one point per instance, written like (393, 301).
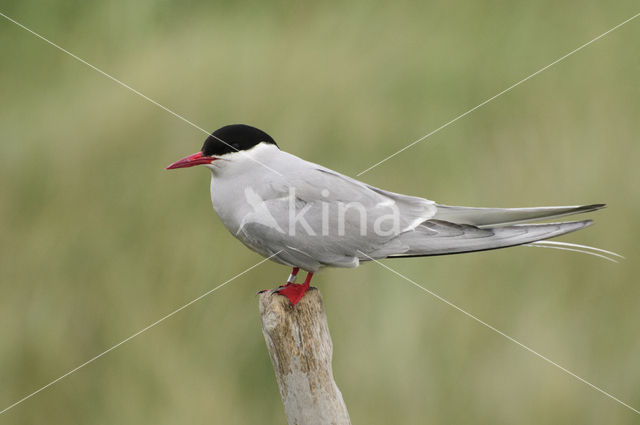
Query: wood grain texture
(300, 347)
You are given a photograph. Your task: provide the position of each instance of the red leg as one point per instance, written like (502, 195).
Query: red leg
(292, 277)
(294, 274)
(296, 292)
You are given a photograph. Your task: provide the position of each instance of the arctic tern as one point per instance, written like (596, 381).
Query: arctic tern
(306, 216)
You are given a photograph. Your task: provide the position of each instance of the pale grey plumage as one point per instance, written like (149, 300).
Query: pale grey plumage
(256, 203)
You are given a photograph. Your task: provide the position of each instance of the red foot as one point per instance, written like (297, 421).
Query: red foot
(295, 292)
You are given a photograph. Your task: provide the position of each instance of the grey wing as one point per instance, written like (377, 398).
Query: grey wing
(411, 210)
(436, 237)
(379, 224)
(319, 217)
(464, 229)
(499, 216)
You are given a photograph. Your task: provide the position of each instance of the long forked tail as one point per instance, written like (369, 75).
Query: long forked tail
(614, 257)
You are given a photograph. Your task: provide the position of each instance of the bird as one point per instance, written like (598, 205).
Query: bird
(308, 217)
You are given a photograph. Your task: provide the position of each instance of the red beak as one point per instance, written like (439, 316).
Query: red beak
(191, 161)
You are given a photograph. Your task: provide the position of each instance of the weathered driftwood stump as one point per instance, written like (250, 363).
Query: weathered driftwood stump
(300, 347)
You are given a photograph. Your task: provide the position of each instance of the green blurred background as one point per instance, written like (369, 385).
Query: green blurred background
(98, 240)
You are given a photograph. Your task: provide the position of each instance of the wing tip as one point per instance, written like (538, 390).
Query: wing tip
(591, 207)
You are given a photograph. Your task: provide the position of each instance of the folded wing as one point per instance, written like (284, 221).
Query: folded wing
(482, 217)
(437, 237)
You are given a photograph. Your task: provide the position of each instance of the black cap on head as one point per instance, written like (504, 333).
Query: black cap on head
(233, 138)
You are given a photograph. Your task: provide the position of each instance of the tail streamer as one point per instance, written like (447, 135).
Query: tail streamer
(583, 249)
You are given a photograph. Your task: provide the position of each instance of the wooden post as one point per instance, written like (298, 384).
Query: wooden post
(300, 347)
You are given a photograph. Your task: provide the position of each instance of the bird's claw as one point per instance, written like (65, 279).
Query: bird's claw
(292, 291)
